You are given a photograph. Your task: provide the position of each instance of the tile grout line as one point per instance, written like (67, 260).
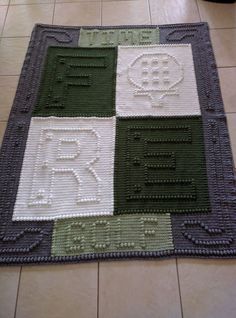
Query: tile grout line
(53, 13)
(198, 10)
(10, 75)
(5, 19)
(149, 9)
(228, 28)
(232, 66)
(101, 8)
(28, 4)
(180, 296)
(1, 75)
(15, 37)
(98, 291)
(18, 288)
(38, 3)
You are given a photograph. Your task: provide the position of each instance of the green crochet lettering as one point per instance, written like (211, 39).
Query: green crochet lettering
(114, 37)
(112, 234)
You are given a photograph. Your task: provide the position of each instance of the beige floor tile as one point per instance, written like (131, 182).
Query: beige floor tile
(2, 131)
(83, 13)
(9, 279)
(224, 46)
(4, 2)
(125, 12)
(117, 0)
(138, 289)
(231, 119)
(8, 86)
(21, 19)
(13, 2)
(173, 11)
(227, 83)
(3, 11)
(12, 54)
(218, 15)
(61, 1)
(58, 291)
(208, 288)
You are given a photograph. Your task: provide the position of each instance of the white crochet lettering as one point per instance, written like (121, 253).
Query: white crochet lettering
(66, 162)
(156, 80)
(155, 75)
(68, 169)
(69, 141)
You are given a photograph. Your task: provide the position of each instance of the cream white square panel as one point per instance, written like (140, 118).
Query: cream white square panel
(67, 169)
(156, 80)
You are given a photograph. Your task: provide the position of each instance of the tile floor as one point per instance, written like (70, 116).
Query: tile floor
(160, 289)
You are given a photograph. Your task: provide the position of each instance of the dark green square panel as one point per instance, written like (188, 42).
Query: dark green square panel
(160, 166)
(78, 82)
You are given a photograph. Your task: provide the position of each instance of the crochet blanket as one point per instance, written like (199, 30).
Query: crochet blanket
(117, 147)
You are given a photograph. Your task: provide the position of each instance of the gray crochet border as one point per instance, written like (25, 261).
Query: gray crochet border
(201, 235)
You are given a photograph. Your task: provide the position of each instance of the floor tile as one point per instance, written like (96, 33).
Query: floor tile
(117, 0)
(12, 54)
(61, 1)
(13, 2)
(138, 289)
(3, 11)
(208, 288)
(125, 12)
(4, 2)
(218, 15)
(227, 83)
(82, 13)
(9, 279)
(2, 131)
(8, 86)
(173, 11)
(58, 291)
(21, 19)
(224, 46)
(231, 119)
